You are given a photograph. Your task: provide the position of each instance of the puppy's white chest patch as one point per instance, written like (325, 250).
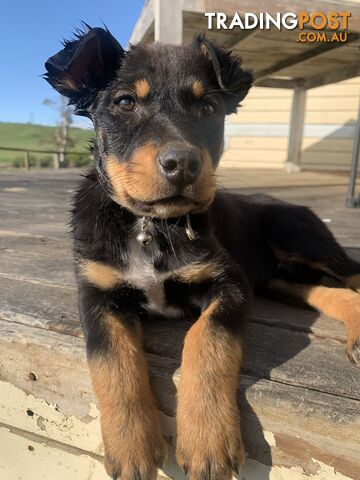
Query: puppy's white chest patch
(142, 275)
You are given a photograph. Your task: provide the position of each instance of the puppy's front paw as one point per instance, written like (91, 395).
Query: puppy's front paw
(210, 448)
(134, 451)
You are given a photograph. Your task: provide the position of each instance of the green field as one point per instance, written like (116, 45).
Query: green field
(38, 137)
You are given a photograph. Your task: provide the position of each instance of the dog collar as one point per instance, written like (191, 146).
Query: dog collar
(145, 237)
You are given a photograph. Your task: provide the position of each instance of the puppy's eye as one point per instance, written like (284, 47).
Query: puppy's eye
(126, 103)
(207, 109)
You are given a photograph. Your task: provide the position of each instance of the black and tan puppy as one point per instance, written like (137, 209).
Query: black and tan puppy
(154, 237)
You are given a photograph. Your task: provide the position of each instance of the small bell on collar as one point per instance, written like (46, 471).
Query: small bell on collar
(144, 237)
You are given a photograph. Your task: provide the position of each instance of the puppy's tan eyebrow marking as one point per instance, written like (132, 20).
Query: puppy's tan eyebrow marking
(142, 88)
(198, 89)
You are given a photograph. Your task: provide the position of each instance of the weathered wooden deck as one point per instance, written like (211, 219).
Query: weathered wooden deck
(299, 395)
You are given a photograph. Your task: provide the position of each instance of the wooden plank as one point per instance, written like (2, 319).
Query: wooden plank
(313, 53)
(33, 203)
(303, 361)
(37, 260)
(264, 93)
(319, 144)
(329, 117)
(331, 60)
(42, 306)
(257, 143)
(300, 427)
(35, 245)
(270, 312)
(346, 88)
(277, 166)
(275, 83)
(239, 158)
(58, 361)
(41, 310)
(300, 186)
(316, 104)
(333, 76)
(257, 150)
(309, 157)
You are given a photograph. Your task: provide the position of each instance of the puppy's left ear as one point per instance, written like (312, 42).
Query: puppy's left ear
(84, 66)
(232, 79)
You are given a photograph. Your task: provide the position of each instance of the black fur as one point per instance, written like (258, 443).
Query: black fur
(239, 235)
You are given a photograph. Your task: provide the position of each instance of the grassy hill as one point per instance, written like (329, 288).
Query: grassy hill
(38, 137)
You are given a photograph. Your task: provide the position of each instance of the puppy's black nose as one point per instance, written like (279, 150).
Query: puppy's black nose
(180, 166)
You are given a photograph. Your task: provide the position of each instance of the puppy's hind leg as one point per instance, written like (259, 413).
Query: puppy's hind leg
(341, 304)
(298, 236)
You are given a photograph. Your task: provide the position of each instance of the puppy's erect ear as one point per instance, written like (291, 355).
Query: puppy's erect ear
(232, 79)
(85, 65)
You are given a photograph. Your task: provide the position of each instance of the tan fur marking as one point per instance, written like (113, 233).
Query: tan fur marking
(99, 274)
(339, 303)
(198, 89)
(128, 410)
(207, 415)
(206, 184)
(139, 179)
(353, 282)
(198, 272)
(205, 51)
(142, 88)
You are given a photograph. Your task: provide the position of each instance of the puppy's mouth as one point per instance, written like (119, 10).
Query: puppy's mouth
(165, 207)
(171, 200)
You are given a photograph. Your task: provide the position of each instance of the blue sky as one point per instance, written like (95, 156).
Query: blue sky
(31, 31)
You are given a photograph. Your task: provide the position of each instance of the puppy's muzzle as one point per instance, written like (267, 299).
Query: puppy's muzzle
(180, 166)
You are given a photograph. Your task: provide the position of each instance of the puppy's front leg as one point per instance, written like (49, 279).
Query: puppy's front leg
(119, 373)
(209, 445)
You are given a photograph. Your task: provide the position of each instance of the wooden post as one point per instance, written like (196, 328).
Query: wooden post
(57, 160)
(351, 199)
(26, 160)
(168, 21)
(296, 129)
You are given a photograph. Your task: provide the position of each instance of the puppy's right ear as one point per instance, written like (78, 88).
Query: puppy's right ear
(85, 65)
(233, 81)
